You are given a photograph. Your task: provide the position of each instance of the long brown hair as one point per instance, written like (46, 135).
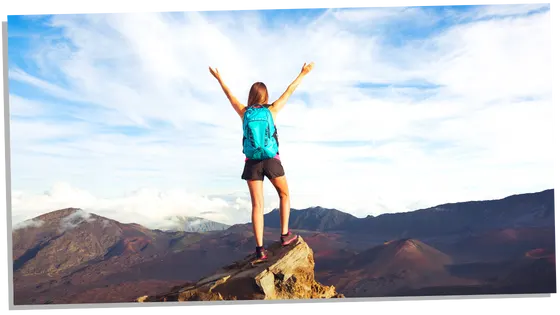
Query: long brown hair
(258, 94)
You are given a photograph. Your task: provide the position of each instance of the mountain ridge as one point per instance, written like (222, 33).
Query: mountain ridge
(73, 256)
(313, 219)
(522, 210)
(345, 220)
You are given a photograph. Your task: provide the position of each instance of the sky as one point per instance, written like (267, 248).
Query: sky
(406, 108)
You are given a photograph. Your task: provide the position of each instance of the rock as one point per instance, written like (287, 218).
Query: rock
(288, 274)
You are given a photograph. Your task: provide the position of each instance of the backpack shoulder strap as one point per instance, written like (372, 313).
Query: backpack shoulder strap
(260, 105)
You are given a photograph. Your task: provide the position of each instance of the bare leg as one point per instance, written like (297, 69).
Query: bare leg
(281, 185)
(257, 200)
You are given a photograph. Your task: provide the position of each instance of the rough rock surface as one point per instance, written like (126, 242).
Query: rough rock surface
(288, 274)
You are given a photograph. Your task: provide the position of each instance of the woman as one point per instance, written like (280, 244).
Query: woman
(269, 164)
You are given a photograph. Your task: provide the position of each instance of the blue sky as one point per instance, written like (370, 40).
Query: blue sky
(407, 107)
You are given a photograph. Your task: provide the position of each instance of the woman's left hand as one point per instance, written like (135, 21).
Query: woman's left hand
(215, 72)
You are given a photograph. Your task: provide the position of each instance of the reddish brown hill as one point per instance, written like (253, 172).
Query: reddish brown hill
(396, 255)
(71, 248)
(404, 263)
(81, 236)
(84, 238)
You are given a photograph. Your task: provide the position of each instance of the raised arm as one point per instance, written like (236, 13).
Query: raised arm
(237, 106)
(280, 102)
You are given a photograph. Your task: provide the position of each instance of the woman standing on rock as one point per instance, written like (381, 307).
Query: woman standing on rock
(262, 158)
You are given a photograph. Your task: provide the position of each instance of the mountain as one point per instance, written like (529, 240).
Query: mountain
(485, 247)
(311, 219)
(193, 224)
(71, 256)
(525, 210)
(392, 266)
(397, 255)
(72, 247)
(84, 238)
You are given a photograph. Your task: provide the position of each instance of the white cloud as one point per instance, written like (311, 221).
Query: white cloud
(22, 76)
(149, 207)
(74, 219)
(490, 120)
(509, 10)
(27, 224)
(105, 223)
(20, 106)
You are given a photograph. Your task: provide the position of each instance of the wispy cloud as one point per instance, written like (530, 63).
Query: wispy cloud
(149, 207)
(406, 107)
(57, 91)
(510, 10)
(74, 219)
(27, 224)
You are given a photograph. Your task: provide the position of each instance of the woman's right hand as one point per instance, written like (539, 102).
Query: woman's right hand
(215, 73)
(307, 67)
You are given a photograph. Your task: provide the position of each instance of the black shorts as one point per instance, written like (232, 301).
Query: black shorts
(257, 169)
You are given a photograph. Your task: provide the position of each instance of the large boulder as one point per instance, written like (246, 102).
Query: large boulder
(287, 274)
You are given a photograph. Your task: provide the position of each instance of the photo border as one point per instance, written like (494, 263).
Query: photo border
(528, 302)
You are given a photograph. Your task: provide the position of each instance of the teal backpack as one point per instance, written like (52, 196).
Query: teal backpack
(260, 141)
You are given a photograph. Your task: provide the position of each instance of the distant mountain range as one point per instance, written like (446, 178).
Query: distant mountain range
(193, 224)
(312, 219)
(525, 210)
(496, 246)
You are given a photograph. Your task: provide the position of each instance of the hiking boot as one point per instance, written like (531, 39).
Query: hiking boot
(288, 238)
(260, 255)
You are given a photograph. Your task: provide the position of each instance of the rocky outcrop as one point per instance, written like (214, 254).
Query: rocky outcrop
(288, 274)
